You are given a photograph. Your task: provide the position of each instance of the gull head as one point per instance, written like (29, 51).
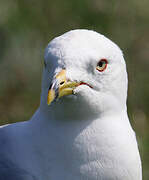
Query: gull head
(86, 72)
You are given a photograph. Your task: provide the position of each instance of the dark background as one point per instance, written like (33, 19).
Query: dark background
(26, 27)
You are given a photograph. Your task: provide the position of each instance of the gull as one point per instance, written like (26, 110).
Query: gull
(81, 130)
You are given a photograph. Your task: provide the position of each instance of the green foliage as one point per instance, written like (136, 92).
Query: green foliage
(26, 26)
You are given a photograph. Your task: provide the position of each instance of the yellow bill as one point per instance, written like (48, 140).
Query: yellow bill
(60, 87)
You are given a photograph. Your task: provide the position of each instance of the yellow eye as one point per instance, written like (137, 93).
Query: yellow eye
(102, 65)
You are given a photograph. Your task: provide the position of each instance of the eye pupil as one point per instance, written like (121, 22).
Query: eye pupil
(100, 64)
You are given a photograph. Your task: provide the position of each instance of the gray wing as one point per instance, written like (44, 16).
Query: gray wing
(9, 171)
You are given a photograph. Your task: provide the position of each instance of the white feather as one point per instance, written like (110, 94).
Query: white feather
(86, 136)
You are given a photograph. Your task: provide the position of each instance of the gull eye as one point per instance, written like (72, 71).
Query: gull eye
(102, 65)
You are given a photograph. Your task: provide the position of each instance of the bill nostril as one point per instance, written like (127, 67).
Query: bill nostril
(61, 83)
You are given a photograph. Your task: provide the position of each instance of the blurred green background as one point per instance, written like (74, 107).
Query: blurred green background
(26, 26)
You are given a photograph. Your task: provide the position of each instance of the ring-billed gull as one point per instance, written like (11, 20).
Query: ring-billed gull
(81, 130)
